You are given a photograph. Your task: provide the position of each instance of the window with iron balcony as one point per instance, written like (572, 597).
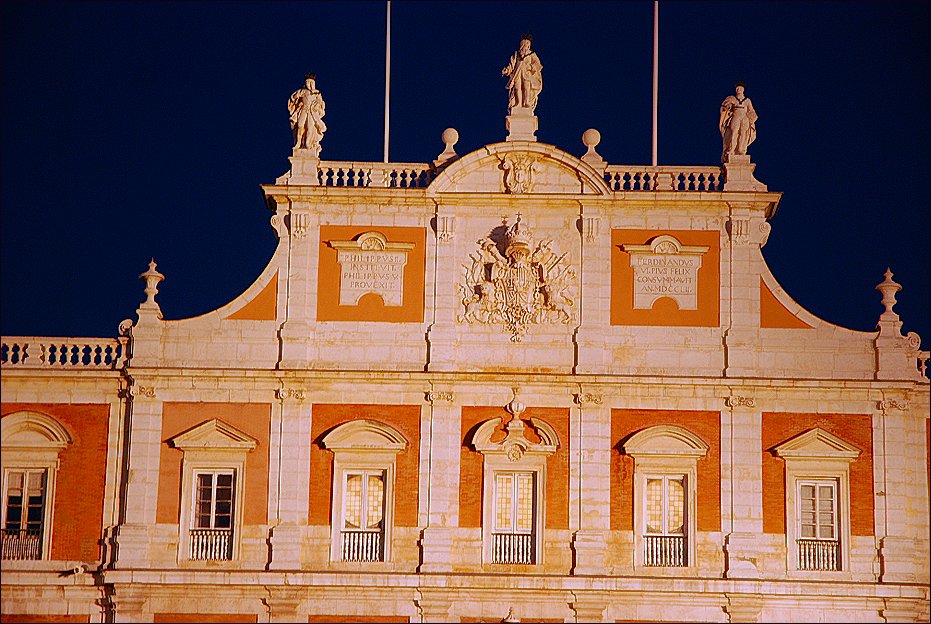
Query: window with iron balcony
(31, 444)
(364, 467)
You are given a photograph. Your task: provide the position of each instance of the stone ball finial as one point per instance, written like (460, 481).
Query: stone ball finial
(449, 137)
(591, 138)
(888, 288)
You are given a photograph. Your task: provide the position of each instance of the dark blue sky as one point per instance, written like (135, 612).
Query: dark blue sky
(138, 129)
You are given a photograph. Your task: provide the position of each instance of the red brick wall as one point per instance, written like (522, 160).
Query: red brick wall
(471, 464)
(82, 475)
(855, 429)
(251, 418)
(404, 418)
(706, 425)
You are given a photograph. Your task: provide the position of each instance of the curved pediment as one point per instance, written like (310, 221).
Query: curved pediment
(33, 430)
(365, 434)
(519, 168)
(666, 440)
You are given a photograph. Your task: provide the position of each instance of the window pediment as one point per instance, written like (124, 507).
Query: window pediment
(665, 441)
(214, 435)
(817, 444)
(515, 444)
(365, 435)
(32, 430)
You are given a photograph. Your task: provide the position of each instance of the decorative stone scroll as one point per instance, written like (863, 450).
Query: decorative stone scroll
(519, 170)
(665, 268)
(527, 285)
(370, 264)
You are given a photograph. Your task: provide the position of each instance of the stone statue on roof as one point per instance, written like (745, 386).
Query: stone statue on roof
(525, 77)
(737, 123)
(307, 109)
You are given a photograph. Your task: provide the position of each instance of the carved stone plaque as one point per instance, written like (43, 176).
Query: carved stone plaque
(665, 268)
(370, 264)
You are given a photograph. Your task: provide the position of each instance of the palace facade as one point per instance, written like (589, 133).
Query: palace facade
(509, 385)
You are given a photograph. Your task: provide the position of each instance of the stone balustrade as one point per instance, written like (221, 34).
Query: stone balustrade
(385, 175)
(666, 178)
(35, 352)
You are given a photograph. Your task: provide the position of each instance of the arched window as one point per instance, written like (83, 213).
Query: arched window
(31, 444)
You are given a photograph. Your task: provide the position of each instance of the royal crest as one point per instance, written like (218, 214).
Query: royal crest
(526, 285)
(518, 173)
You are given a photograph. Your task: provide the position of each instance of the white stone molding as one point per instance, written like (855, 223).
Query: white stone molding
(515, 453)
(889, 404)
(300, 223)
(588, 398)
(435, 396)
(526, 285)
(738, 230)
(371, 264)
(765, 229)
(519, 171)
(445, 227)
(665, 268)
(817, 455)
(277, 222)
(739, 401)
(31, 440)
(363, 445)
(658, 451)
(212, 445)
(285, 393)
(590, 228)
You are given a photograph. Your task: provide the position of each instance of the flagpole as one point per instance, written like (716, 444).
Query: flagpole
(655, 74)
(387, 73)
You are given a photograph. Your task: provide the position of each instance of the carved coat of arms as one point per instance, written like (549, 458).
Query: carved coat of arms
(527, 285)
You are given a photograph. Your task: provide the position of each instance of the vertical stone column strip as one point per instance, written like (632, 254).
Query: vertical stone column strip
(289, 477)
(301, 293)
(128, 604)
(742, 485)
(440, 472)
(117, 443)
(594, 305)
(741, 263)
(144, 428)
(433, 606)
(590, 482)
(284, 604)
(903, 550)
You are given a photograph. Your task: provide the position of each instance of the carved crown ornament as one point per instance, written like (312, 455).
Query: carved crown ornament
(528, 284)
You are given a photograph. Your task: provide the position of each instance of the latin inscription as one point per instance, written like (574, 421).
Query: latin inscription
(665, 268)
(379, 272)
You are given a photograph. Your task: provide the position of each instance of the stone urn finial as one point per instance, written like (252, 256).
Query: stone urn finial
(515, 408)
(152, 279)
(888, 288)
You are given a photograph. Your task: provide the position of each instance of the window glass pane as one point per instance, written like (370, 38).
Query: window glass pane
(654, 506)
(808, 530)
(826, 492)
(353, 514)
(808, 492)
(676, 506)
(376, 501)
(504, 488)
(827, 531)
(225, 481)
(525, 503)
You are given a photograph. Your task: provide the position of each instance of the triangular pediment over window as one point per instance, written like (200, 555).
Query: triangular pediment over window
(214, 434)
(817, 444)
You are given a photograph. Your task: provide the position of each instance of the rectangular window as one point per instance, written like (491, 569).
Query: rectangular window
(363, 527)
(665, 541)
(211, 535)
(513, 537)
(24, 513)
(818, 545)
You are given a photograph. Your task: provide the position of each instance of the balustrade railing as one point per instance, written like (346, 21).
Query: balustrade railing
(666, 551)
(665, 178)
(368, 174)
(362, 546)
(512, 548)
(22, 544)
(211, 544)
(821, 555)
(33, 352)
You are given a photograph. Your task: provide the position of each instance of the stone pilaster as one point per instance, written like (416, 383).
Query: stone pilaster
(590, 608)
(284, 604)
(443, 485)
(594, 273)
(744, 607)
(589, 473)
(296, 333)
(433, 607)
(289, 479)
(128, 605)
(742, 485)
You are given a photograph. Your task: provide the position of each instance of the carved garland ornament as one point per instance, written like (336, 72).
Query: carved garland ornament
(527, 285)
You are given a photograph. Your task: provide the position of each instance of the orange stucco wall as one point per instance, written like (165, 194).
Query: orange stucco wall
(404, 418)
(371, 307)
(82, 475)
(205, 618)
(706, 425)
(855, 429)
(775, 315)
(10, 618)
(471, 463)
(251, 418)
(665, 312)
(263, 307)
